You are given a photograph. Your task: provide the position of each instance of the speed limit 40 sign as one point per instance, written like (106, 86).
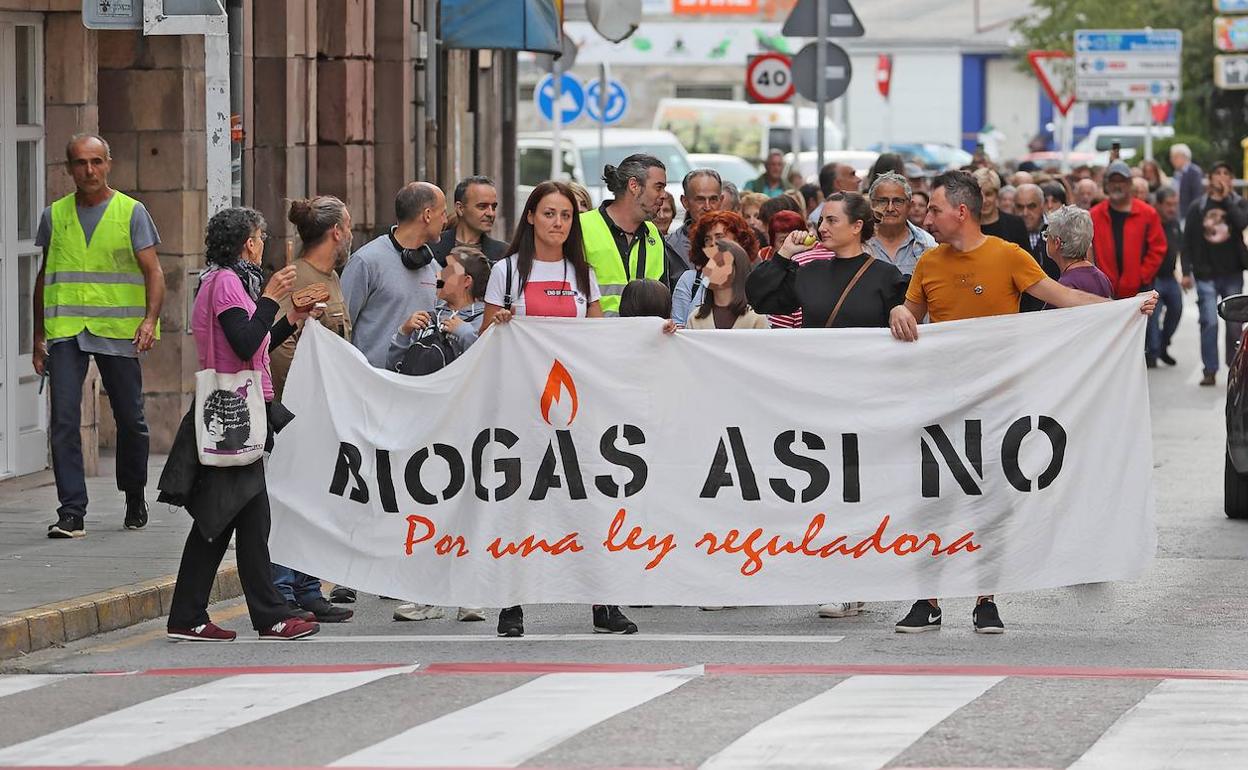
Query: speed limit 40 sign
(769, 78)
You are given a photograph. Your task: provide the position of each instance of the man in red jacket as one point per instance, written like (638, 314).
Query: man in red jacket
(1128, 240)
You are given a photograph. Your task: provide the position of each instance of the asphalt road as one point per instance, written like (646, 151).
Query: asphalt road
(1147, 674)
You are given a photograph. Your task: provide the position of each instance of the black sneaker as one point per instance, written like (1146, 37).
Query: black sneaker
(326, 612)
(1165, 357)
(67, 526)
(922, 617)
(609, 620)
(300, 613)
(342, 595)
(136, 513)
(511, 622)
(986, 618)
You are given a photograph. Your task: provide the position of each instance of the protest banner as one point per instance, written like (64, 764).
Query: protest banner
(600, 461)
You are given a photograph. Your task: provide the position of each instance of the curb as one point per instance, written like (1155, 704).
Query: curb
(52, 625)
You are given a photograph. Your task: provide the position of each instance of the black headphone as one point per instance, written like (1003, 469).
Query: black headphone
(413, 259)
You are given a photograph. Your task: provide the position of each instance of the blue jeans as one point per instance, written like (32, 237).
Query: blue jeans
(1207, 294)
(1165, 319)
(296, 586)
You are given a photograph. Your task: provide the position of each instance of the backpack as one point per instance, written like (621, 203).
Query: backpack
(429, 352)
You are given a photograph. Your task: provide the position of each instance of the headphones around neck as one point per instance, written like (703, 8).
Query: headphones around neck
(413, 259)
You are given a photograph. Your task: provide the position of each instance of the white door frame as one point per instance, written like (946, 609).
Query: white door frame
(23, 409)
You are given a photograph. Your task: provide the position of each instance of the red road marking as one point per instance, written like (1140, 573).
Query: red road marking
(317, 767)
(544, 668)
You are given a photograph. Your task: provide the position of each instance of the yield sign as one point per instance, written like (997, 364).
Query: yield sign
(1056, 71)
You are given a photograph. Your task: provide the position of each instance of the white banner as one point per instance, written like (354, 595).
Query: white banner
(600, 461)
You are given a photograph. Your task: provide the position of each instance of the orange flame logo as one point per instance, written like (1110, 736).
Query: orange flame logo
(558, 381)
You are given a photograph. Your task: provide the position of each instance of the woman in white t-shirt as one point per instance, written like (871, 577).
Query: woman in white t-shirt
(547, 275)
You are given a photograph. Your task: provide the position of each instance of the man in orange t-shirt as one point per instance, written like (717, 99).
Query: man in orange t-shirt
(972, 275)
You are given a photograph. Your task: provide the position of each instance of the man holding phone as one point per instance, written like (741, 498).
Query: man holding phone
(1213, 247)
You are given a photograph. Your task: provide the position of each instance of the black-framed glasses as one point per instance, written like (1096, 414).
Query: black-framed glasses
(263, 236)
(883, 203)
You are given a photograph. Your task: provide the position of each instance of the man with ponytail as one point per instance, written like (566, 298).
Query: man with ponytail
(621, 241)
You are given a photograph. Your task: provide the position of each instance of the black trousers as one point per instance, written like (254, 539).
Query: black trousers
(201, 558)
(122, 378)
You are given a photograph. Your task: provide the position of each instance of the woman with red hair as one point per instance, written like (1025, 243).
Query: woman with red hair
(711, 227)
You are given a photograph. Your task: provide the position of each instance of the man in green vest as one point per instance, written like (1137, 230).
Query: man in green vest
(621, 243)
(98, 294)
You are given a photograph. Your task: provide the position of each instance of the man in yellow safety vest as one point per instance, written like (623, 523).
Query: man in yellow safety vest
(621, 241)
(98, 294)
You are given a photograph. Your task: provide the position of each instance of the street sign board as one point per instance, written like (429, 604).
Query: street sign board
(617, 102)
(571, 101)
(1230, 72)
(836, 73)
(769, 78)
(112, 14)
(1230, 6)
(1230, 33)
(803, 21)
(1114, 65)
(1056, 72)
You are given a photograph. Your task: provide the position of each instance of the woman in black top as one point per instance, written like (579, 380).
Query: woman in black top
(780, 286)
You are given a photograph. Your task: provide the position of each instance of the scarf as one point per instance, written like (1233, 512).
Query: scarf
(251, 276)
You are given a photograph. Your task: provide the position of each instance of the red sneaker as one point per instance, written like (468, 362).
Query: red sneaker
(208, 632)
(289, 629)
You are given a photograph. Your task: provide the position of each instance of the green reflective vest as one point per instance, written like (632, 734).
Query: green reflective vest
(608, 265)
(97, 286)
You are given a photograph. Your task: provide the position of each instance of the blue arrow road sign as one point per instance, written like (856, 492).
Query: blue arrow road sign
(572, 100)
(1134, 41)
(617, 101)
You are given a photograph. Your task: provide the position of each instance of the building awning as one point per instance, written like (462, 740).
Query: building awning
(522, 25)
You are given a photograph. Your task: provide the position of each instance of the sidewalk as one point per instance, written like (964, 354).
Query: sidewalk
(56, 591)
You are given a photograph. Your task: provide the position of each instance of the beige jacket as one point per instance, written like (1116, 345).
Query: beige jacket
(750, 320)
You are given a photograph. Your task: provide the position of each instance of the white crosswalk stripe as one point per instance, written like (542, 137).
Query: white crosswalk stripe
(508, 729)
(863, 722)
(860, 724)
(13, 684)
(175, 720)
(1179, 725)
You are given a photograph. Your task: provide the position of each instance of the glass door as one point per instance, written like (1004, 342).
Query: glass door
(23, 412)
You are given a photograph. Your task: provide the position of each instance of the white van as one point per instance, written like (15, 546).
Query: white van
(746, 130)
(581, 161)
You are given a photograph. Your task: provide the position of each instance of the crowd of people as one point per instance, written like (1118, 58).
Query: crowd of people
(896, 249)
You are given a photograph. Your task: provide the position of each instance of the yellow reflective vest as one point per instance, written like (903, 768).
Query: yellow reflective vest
(97, 286)
(609, 267)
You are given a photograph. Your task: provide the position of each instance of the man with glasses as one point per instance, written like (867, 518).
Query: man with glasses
(897, 240)
(1029, 202)
(703, 192)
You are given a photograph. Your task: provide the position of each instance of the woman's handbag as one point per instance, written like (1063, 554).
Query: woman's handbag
(230, 420)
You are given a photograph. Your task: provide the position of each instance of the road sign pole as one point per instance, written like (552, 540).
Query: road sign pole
(556, 116)
(1065, 135)
(821, 81)
(1148, 131)
(603, 84)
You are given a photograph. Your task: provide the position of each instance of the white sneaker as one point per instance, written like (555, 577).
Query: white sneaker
(469, 614)
(840, 609)
(418, 612)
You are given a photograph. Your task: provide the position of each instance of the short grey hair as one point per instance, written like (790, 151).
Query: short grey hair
(698, 172)
(1073, 227)
(986, 177)
(1181, 149)
(890, 177)
(85, 137)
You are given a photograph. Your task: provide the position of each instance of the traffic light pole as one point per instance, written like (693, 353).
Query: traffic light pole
(821, 81)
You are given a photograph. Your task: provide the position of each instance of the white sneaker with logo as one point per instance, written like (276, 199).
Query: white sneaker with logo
(418, 612)
(840, 609)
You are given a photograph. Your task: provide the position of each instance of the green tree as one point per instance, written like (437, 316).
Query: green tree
(1220, 117)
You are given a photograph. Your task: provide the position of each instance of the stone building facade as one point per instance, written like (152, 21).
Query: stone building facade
(331, 99)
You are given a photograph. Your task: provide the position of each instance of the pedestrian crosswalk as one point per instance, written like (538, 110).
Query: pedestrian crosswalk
(465, 716)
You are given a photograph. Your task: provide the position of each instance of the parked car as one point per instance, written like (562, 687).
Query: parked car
(582, 162)
(807, 163)
(1234, 309)
(731, 168)
(939, 157)
(746, 130)
(1100, 140)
